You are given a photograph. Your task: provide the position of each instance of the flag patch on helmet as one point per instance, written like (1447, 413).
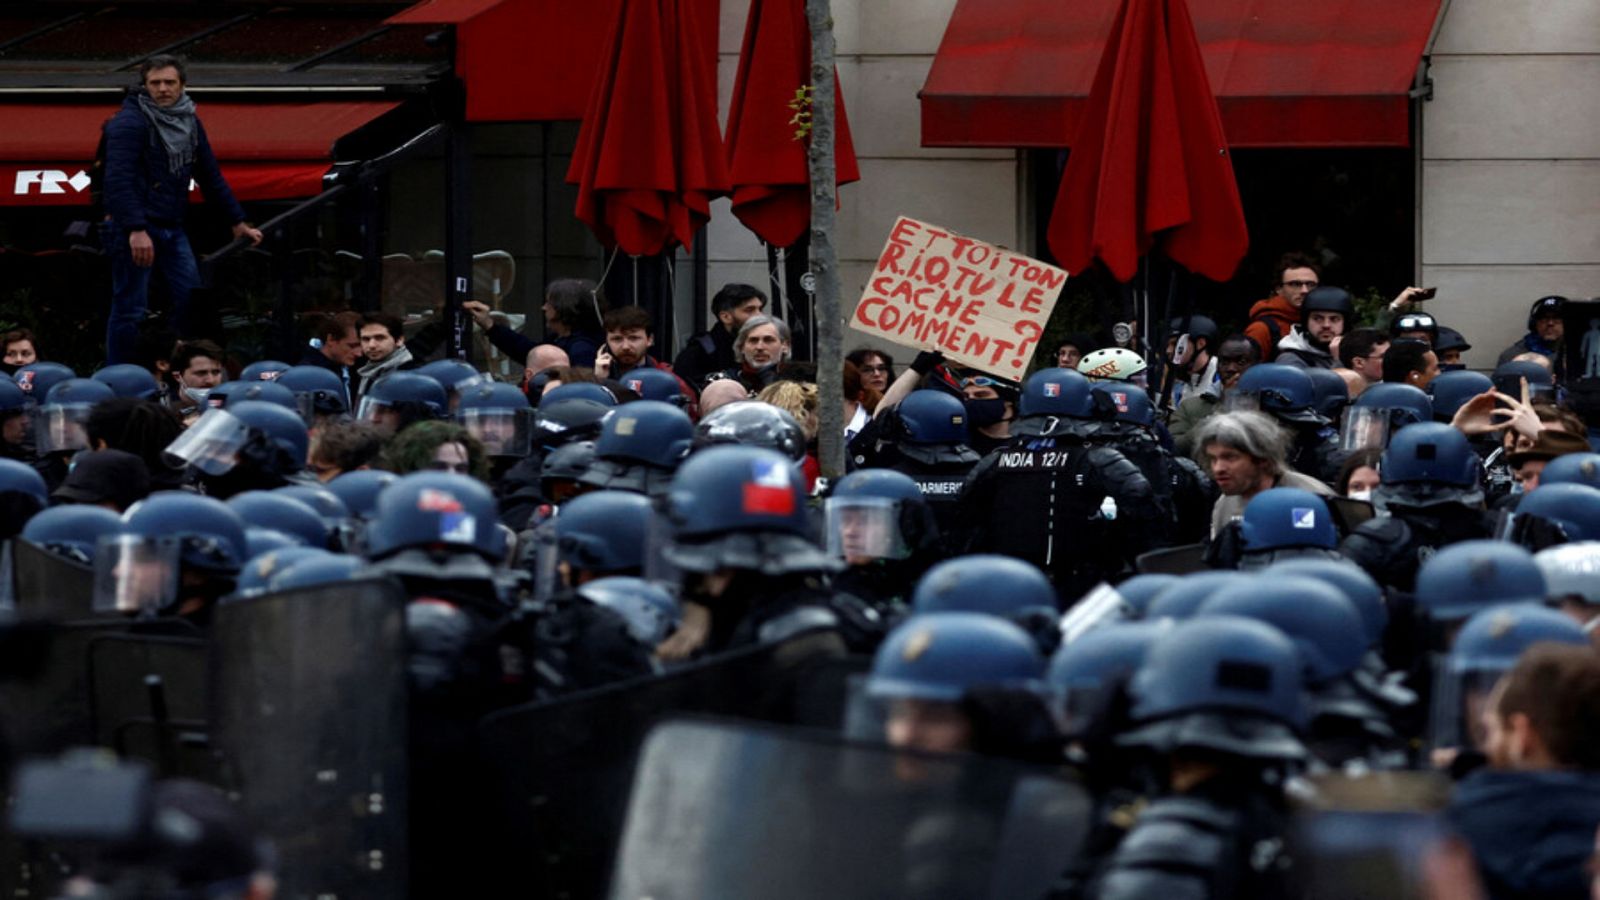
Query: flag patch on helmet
(1303, 518)
(1051, 389)
(434, 500)
(25, 381)
(1121, 400)
(768, 492)
(458, 527)
(636, 385)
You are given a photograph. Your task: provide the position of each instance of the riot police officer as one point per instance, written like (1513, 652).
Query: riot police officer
(1431, 490)
(1288, 395)
(568, 413)
(1278, 524)
(401, 399)
(1218, 701)
(994, 585)
(176, 555)
(251, 445)
(1184, 492)
(926, 438)
(880, 525)
(641, 445)
(499, 416)
(1079, 512)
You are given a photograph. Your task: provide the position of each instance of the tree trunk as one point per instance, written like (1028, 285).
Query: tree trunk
(824, 258)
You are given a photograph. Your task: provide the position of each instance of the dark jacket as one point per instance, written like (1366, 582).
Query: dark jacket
(140, 187)
(709, 351)
(1531, 832)
(315, 357)
(580, 348)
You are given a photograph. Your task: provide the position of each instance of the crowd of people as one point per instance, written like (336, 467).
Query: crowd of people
(1202, 582)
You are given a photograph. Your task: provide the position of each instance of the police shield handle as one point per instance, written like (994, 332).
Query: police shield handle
(979, 304)
(1095, 608)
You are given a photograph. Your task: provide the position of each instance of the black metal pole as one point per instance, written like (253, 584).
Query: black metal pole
(458, 239)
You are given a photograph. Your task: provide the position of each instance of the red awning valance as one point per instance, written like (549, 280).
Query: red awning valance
(1287, 73)
(268, 151)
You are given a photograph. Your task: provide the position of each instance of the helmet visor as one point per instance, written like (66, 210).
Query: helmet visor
(1241, 401)
(864, 529)
(503, 432)
(135, 575)
(211, 444)
(58, 429)
(1363, 428)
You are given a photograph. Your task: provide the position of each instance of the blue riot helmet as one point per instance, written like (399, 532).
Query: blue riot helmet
(270, 438)
(640, 445)
(1285, 523)
(1222, 684)
(1426, 464)
(231, 393)
(878, 514)
(499, 416)
(994, 585)
(129, 380)
(71, 531)
(36, 379)
(1507, 378)
(456, 376)
(22, 495)
(741, 508)
(1184, 599)
(140, 571)
(752, 423)
(359, 490)
(1319, 618)
(1380, 411)
(436, 512)
(13, 400)
(1352, 581)
(317, 391)
(258, 541)
(564, 421)
(603, 533)
(315, 571)
(402, 398)
(1088, 678)
(1138, 591)
(931, 426)
(321, 500)
(1057, 392)
(1556, 514)
(578, 390)
(1451, 390)
(943, 657)
(560, 475)
(1284, 392)
(1488, 646)
(264, 370)
(271, 509)
(1465, 577)
(1332, 394)
(654, 384)
(1129, 403)
(255, 576)
(1571, 572)
(60, 421)
(1572, 468)
(650, 612)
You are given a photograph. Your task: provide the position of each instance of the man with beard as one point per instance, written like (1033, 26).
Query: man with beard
(1235, 354)
(1324, 315)
(629, 336)
(762, 347)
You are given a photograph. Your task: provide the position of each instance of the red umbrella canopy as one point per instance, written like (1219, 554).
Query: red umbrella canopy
(1150, 165)
(771, 183)
(649, 157)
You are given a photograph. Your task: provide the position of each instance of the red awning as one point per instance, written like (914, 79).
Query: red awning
(442, 12)
(1287, 73)
(268, 151)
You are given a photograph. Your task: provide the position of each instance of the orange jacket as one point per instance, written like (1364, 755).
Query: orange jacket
(1270, 321)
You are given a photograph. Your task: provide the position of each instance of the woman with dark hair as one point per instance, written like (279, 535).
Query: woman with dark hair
(875, 366)
(1359, 475)
(572, 311)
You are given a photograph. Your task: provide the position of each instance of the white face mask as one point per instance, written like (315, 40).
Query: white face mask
(198, 395)
(1363, 494)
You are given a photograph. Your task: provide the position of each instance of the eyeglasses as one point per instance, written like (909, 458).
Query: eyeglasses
(1302, 285)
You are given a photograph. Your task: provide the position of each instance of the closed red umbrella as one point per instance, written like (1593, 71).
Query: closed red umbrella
(1150, 166)
(649, 157)
(771, 184)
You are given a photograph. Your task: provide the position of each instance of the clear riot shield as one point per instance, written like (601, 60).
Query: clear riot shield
(1377, 836)
(310, 699)
(1179, 560)
(724, 809)
(148, 701)
(562, 768)
(51, 587)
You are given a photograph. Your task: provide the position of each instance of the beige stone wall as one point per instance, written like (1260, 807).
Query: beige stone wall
(885, 49)
(1510, 164)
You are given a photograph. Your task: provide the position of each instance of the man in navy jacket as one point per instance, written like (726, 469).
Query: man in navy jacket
(154, 146)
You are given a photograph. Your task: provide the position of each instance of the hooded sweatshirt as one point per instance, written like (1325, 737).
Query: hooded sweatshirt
(1271, 320)
(1297, 350)
(1531, 832)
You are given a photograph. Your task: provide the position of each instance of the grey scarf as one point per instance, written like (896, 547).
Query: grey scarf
(400, 356)
(176, 127)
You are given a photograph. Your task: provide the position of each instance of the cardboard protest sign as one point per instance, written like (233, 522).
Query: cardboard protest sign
(982, 306)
